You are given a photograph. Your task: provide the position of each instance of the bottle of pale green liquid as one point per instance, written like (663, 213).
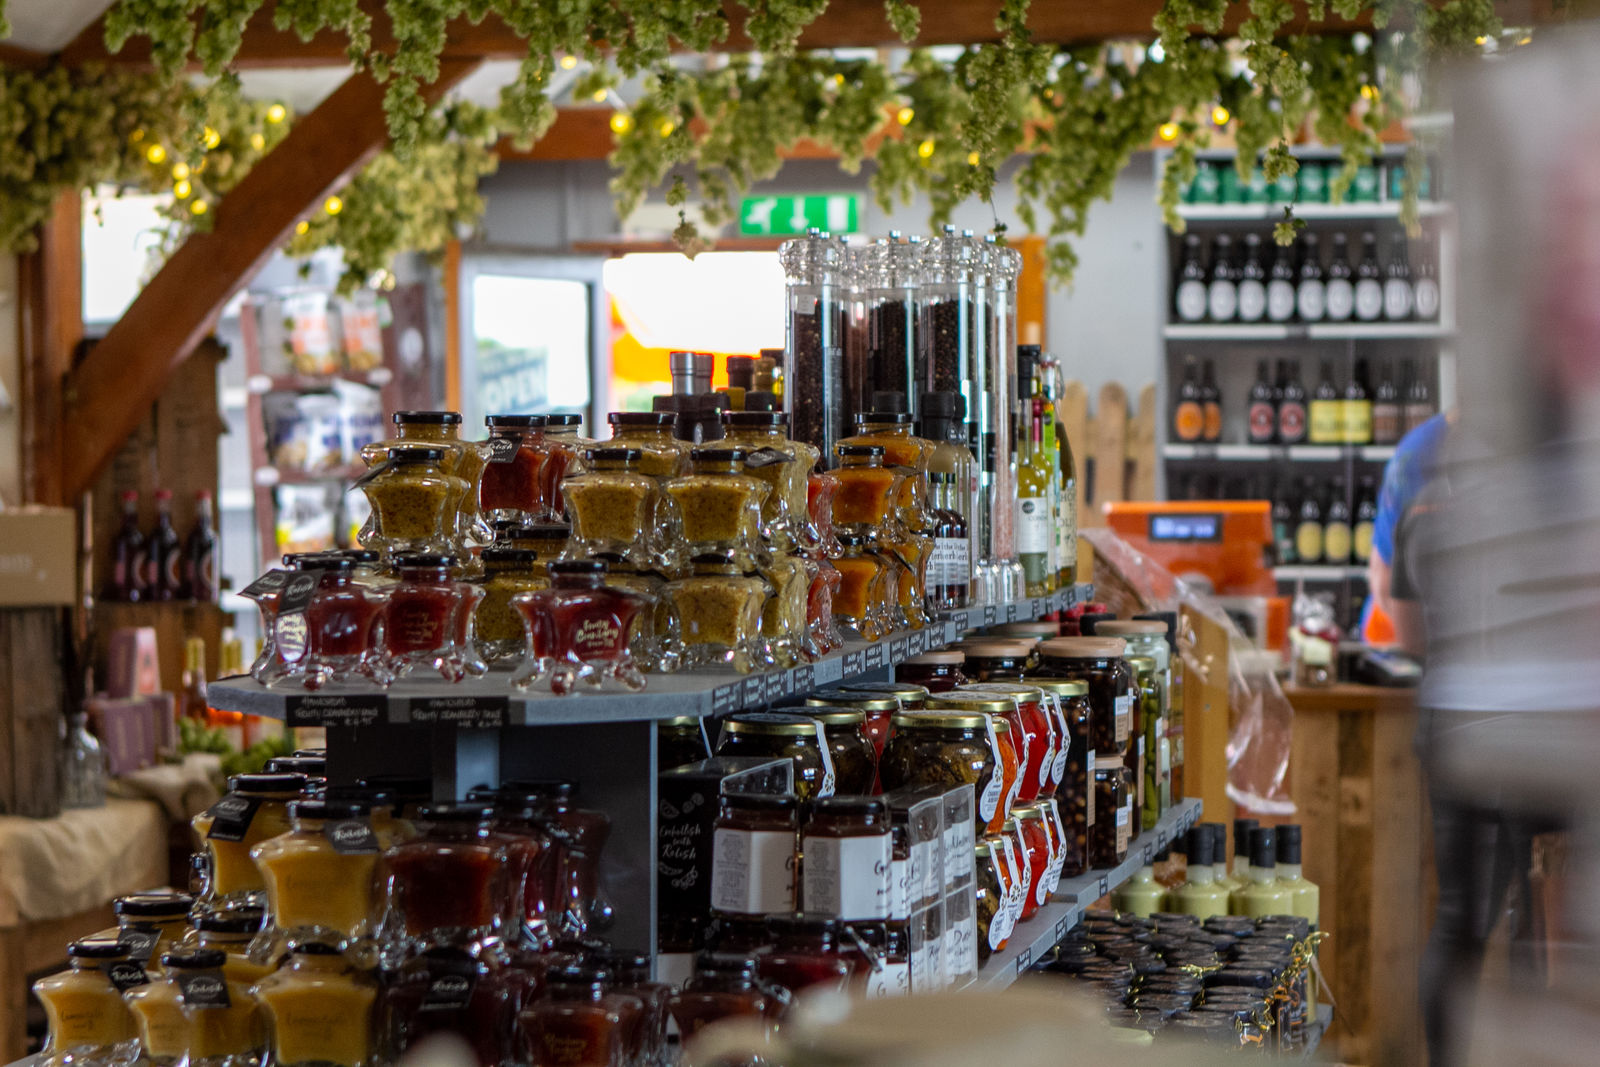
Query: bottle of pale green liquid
(1200, 895)
(1264, 895)
(1239, 877)
(1140, 895)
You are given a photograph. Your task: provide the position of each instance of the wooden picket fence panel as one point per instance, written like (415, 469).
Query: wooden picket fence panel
(1115, 448)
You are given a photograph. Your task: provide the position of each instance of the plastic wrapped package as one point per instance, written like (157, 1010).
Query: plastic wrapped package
(324, 431)
(360, 330)
(360, 418)
(1259, 742)
(305, 519)
(308, 334)
(287, 431)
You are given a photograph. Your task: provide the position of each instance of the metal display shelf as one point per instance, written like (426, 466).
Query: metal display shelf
(1263, 453)
(1074, 896)
(490, 702)
(1318, 572)
(1300, 331)
(1353, 211)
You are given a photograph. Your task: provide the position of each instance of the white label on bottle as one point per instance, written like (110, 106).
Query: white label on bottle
(948, 566)
(989, 802)
(1311, 300)
(1252, 300)
(900, 889)
(961, 948)
(1222, 301)
(1058, 766)
(927, 873)
(1341, 298)
(1192, 300)
(889, 980)
(1088, 785)
(1059, 862)
(1033, 526)
(826, 787)
(1369, 299)
(1426, 295)
(1397, 299)
(847, 877)
(1280, 301)
(1123, 712)
(752, 871)
(999, 928)
(1124, 824)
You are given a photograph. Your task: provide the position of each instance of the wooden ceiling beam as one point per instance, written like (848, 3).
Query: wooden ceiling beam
(113, 388)
(22, 58)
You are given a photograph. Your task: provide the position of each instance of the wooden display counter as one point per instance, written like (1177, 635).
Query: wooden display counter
(1355, 778)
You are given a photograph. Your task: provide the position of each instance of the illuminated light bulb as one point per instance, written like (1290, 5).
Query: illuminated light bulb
(302, 227)
(180, 171)
(199, 207)
(155, 153)
(1526, 39)
(333, 205)
(665, 127)
(277, 113)
(973, 159)
(1480, 40)
(182, 190)
(210, 138)
(599, 96)
(1370, 92)
(904, 116)
(925, 149)
(621, 122)
(1168, 131)
(258, 141)
(1220, 116)
(838, 79)
(568, 62)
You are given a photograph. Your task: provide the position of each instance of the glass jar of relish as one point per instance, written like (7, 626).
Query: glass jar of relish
(773, 734)
(1001, 711)
(1038, 728)
(855, 762)
(876, 708)
(942, 748)
(1099, 662)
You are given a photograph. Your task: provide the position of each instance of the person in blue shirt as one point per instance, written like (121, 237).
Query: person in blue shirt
(1385, 618)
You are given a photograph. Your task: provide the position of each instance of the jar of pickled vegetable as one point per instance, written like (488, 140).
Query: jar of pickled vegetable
(878, 701)
(497, 626)
(782, 463)
(944, 748)
(415, 501)
(661, 456)
(989, 900)
(1075, 788)
(509, 488)
(855, 763)
(255, 808)
(783, 620)
(1099, 662)
(857, 604)
(938, 672)
(1038, 730)
(680, 740)
(717, 506)
(716, 613)
(577, 630)
(775, 734)
(427, 618)
(1009, 739)
(1108, 841)
(613, 508)
(864, 502)
(996, 661)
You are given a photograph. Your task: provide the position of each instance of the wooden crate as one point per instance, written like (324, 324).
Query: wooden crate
(1115, 450)
(32, 703)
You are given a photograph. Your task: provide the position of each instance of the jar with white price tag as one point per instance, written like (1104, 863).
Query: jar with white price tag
(1099, 662)
(849, 856)
(753, 855)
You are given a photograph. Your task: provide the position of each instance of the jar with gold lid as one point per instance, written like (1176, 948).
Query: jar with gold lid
(613, 508)
(995, 800)
(716, 613)
(944, 747)
(855, 762)
(1038, 729)
(880, 700)
(775, 734)
(995, 660)
(1074, 786)
(680, 739)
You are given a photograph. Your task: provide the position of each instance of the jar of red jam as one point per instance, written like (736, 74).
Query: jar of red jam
(1075, 792)
(1005, 727)
(818, 536)
(855, 761)
(753, 854)
(325, 628)
(1099, 662)
(809, 952)
(427, 618)
(563, 457)
(509, 487)
(822, 634)
(580, 835)
(445, 990)
(630, 976)
(578, 630)
(1039, 731)
(1035, 838)
(938, 672)
(448, 884)
(848, 850)
(995, 661)
(724, 985)
(876, 708)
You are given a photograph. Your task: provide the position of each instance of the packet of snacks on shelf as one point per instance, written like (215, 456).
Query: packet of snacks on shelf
(360, 417)
(360, 330)
(323, 413)
(357, 510)
(308, 333)
(287, 431)
(305, 519)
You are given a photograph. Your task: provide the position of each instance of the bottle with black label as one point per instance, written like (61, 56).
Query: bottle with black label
(1308, 526)
(1336, 526)
(1311, 296)
(164, 552)
(1358, 407)
(1283, 524)
(1280, 288)
(1190, 298)
(1341, 292)
(1369, 281)
(1397, 292)
(1293, 418)
(1327, 410)
(1366, 516)
(127, 581)
(1211, 404)
(1387, 417)
(1222, 294)
(1252, 281)
(1418, 399)
(1188, 415)
(1262, 425)
(1425, 289)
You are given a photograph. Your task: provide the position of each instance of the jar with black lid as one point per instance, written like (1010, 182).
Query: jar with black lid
(753, 854)
(855, 761)
(1108, 843)
(1099, 662)
(939, 749)
(849, 853)
(776, 734)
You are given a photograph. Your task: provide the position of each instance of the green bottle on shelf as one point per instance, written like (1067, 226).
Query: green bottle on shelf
(1140, 895)
(1239, 877)
(1200, 895)
(1307, 897)
(1265, 895)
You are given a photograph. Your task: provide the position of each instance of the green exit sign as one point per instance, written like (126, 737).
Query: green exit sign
(772, 216)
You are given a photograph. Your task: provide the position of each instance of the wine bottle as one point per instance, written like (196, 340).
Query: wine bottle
(1222, 294)
(1252, 281)
(1211, 404)
(1341, 293)
(1369, 284)
(1190, 299)
(1188, 415)
(1397, 292)
(1311, 298)
(1263, 412)
(1293, 418)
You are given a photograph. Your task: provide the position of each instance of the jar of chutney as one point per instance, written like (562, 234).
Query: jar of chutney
(776, 734)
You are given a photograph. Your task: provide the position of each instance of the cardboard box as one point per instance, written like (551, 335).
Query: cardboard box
(38, 556)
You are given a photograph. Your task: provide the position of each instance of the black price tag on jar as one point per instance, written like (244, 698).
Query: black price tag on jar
(126, 974)
(502, 449)
(140, 940)
(203, 989)
(470, 712)
(289, 629)
(351, 837)
(270, 582)
(450, 985)
(341, 709)
(230, 819)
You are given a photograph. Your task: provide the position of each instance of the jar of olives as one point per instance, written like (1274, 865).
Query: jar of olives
(497, 626)
(1001, 712)
(717, 506)
(938, 672)
(944, 748)
(716, 613)
(661, 456)
(855, 764)
(996, 660)
(1108, 841)
(1075, 790)
(990, 897)
(613, 508)
(1099, 662)
(415, 503)
(774, 734)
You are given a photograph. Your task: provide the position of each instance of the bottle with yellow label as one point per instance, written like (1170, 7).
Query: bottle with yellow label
(1326, 410)
(1357, 411)
(1336, 530)
(83, 1005)
(1308, 526)
(1264, 895)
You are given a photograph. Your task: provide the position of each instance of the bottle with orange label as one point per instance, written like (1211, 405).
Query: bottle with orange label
(1188, 416)
(1210, 405)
